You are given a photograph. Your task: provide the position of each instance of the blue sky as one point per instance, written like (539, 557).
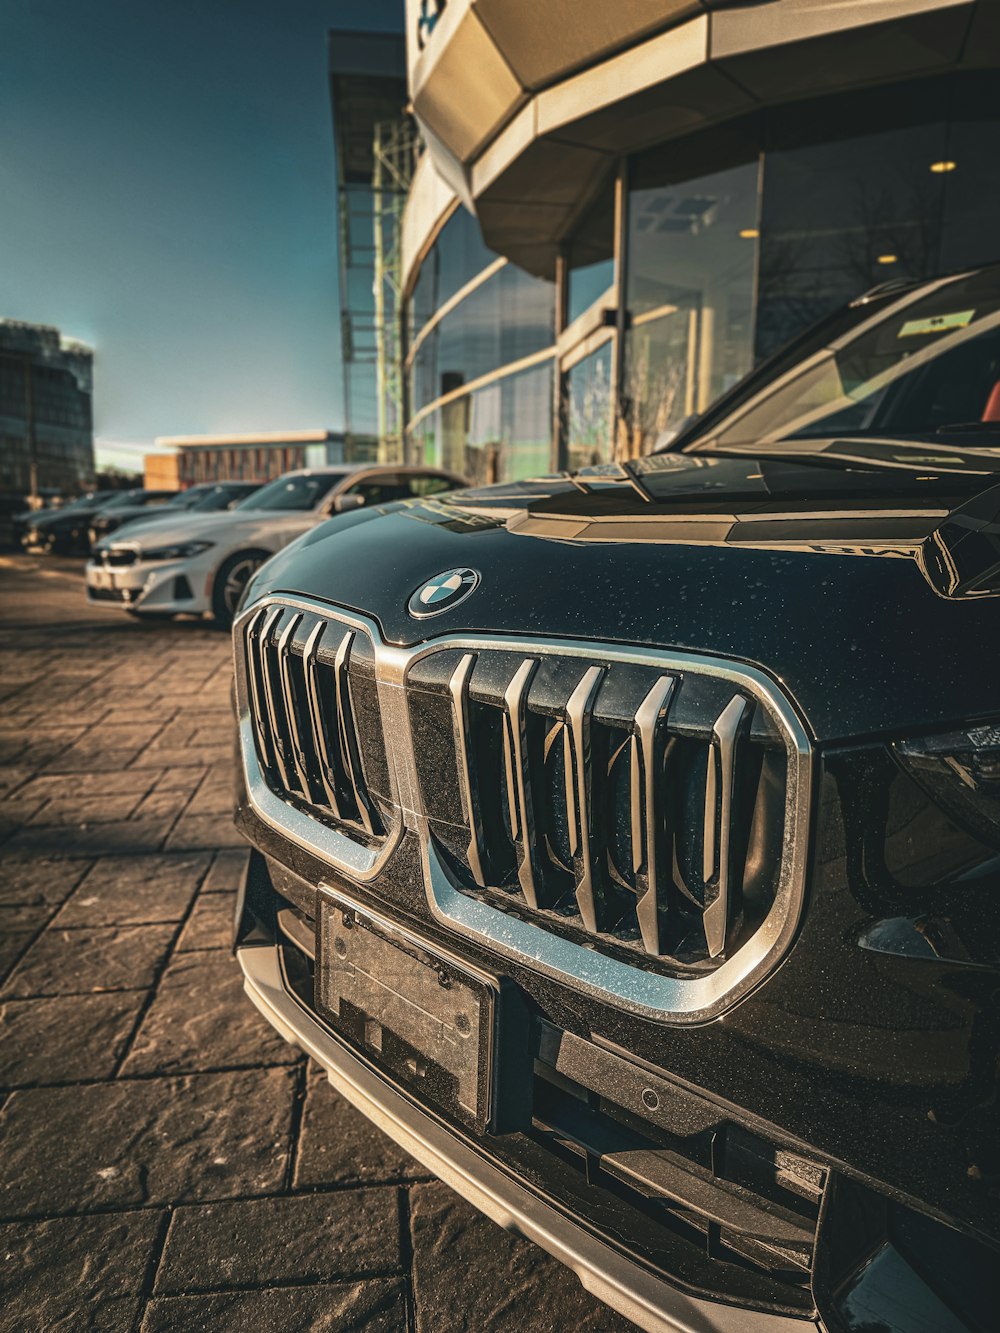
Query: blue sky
(167, 187)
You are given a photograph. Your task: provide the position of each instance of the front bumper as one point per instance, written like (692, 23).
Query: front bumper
(167, 587)
(624, 1286)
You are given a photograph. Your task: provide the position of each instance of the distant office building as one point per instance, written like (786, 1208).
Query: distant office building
(373, 138)
(241, 457)
(622, 210)
(46, 418)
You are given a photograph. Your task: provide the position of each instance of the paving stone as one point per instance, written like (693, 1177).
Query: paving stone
(201, 1019)
(21, 917)
(13, 944)
(88, 758)
(305, 1238)
(517, 1285)
(86, 809)
(76, 1273)
(165, 804)
(145, 1141)
(197, 830)
(63, 786)
(377, 1306)
(210, 925)
(338, 1145)
(180, 757)
(65, 1038)
(228, 869)
(13, 776)
(134, 890)
(73, 962)
(123, 836)
(27, 880)
(175, 779)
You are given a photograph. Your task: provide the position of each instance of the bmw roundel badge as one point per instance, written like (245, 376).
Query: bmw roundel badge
(443, 592)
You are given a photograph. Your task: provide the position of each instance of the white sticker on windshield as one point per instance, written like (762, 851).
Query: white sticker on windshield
(936, 324)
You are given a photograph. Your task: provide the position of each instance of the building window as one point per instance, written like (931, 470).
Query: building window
(500, 432)
(590, 257)
(587, 408)
(692, 250)
(509, 317)
(457, 256)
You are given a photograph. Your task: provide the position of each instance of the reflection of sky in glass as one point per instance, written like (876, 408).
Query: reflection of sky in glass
(512, 315)
(456, 257)
(585, 285)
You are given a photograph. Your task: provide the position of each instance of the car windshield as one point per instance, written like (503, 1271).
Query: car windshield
(215, 497)
(300, 491)
(918, 368)
(125, 498)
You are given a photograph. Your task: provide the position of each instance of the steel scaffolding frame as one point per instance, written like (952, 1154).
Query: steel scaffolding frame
(394, 152)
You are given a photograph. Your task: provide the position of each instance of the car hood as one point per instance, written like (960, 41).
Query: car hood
(870, 595)
(191, 527)
(123, 513)
(51, 518)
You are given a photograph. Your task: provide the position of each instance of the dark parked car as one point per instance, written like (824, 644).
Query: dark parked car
(138, 504)
(627, 845)
(64, 529)
(205, 498)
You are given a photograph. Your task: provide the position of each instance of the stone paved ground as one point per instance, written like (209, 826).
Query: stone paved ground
(168, 1163)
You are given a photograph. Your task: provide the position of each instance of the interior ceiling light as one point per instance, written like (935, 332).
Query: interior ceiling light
(887, 259)
(749, 233)
(939, 168)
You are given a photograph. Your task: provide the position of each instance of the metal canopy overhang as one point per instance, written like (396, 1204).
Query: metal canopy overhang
(522, 139)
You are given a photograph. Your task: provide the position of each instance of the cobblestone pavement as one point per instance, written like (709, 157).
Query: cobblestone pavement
(168, 1163)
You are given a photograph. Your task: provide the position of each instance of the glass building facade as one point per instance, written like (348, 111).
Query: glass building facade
(696, 260)
(46, 416)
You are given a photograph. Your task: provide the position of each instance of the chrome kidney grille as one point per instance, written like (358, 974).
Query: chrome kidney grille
(310, 682)
(618, 803)
(632, 819)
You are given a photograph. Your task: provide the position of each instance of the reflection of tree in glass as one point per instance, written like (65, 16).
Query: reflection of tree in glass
(902, 218)
(588, 409)
(655, 382)
(792, 294)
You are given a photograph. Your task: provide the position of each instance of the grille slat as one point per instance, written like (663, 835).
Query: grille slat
(645, 849)
(519, 787)
(350, 756)
(458, 687)
(579, 790)
(719, 875)
(299, 761)
(324, 766)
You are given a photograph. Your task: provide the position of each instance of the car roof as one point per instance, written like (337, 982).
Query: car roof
(373, 468)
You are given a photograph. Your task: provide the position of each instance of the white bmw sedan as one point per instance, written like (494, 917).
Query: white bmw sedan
(201, 562)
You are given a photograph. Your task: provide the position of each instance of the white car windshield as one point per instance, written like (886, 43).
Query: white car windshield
(301, 491)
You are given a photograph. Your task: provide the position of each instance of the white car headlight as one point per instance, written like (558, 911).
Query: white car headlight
(180, 551)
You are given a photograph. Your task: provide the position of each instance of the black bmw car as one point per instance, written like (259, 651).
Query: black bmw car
(627, 844)
(64, 529)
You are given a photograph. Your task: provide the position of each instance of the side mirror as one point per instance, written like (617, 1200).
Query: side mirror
(342, 504)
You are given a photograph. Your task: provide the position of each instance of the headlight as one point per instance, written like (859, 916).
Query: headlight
(182, 551)
(960, 771)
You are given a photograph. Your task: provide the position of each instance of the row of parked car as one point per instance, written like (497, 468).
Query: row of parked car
(194, 553)
(77, 526)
